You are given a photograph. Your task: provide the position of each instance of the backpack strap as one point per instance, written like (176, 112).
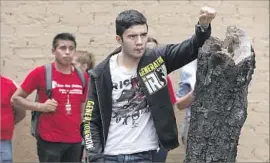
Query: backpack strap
(81, 76)
(48, 79)
(35, 114)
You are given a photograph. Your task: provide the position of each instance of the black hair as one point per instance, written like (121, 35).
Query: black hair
(63, 36)
(128, 18)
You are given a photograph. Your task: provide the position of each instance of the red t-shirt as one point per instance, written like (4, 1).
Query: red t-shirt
(59, 126)
(171, 91)
(7, 115)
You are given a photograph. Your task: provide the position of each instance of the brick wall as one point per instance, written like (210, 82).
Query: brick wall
(28, 27)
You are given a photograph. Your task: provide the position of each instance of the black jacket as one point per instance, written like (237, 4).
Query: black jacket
(98, 110)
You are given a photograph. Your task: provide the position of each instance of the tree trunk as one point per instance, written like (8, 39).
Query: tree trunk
(219, 111)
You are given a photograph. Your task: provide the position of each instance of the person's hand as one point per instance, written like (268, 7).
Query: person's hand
(48, 106)
(207, 14)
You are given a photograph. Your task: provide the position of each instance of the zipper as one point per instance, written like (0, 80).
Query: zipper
(102, 121)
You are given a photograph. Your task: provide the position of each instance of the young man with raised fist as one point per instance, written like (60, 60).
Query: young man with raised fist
(129, 113)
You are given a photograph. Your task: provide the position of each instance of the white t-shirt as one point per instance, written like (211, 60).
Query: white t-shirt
(131, 129)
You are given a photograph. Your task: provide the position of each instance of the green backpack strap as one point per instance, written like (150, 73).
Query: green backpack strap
(36, 114)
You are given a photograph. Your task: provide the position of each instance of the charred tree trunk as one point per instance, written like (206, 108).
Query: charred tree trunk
(219, 111)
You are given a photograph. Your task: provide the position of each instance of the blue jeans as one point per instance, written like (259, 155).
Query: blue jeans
(160, 156)
(184, 129)
(6, 151)
(136, 157)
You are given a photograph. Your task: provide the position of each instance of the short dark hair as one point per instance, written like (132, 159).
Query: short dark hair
(63, 36)
(151, 39)
(128, 18)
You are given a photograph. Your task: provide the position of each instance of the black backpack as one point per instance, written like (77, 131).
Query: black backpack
(48, 78)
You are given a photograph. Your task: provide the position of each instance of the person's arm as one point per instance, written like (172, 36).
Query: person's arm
(185, 91)
(91, 125)
(185, 101)
(19, 114)
(177, 55)
(19, 100)
(30, 84)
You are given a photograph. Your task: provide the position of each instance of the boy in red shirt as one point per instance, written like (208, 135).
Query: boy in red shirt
(59, 137)
(9, 117)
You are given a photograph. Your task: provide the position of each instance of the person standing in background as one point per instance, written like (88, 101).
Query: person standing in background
(10, 116)
(85, 61)
(185, 94)
(59, 138)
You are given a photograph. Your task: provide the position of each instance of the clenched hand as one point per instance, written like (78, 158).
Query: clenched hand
(49, 106)
(207, 14)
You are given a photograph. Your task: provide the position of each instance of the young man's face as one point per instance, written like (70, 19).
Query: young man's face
(64, 52)
(134, 40)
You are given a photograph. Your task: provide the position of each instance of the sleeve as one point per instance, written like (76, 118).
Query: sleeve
(178, 55)
(184, 84)
(30, 83)
(13, 86)
(171, 91)
(91, 127)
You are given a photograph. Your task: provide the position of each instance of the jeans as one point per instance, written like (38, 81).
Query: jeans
(6, 151)
(136, 157)
(184, 131)
(160, 156)
(58, 152)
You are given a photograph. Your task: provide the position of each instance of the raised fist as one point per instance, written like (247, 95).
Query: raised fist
(207, 14)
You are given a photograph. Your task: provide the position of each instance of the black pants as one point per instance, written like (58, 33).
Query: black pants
(58, 152)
